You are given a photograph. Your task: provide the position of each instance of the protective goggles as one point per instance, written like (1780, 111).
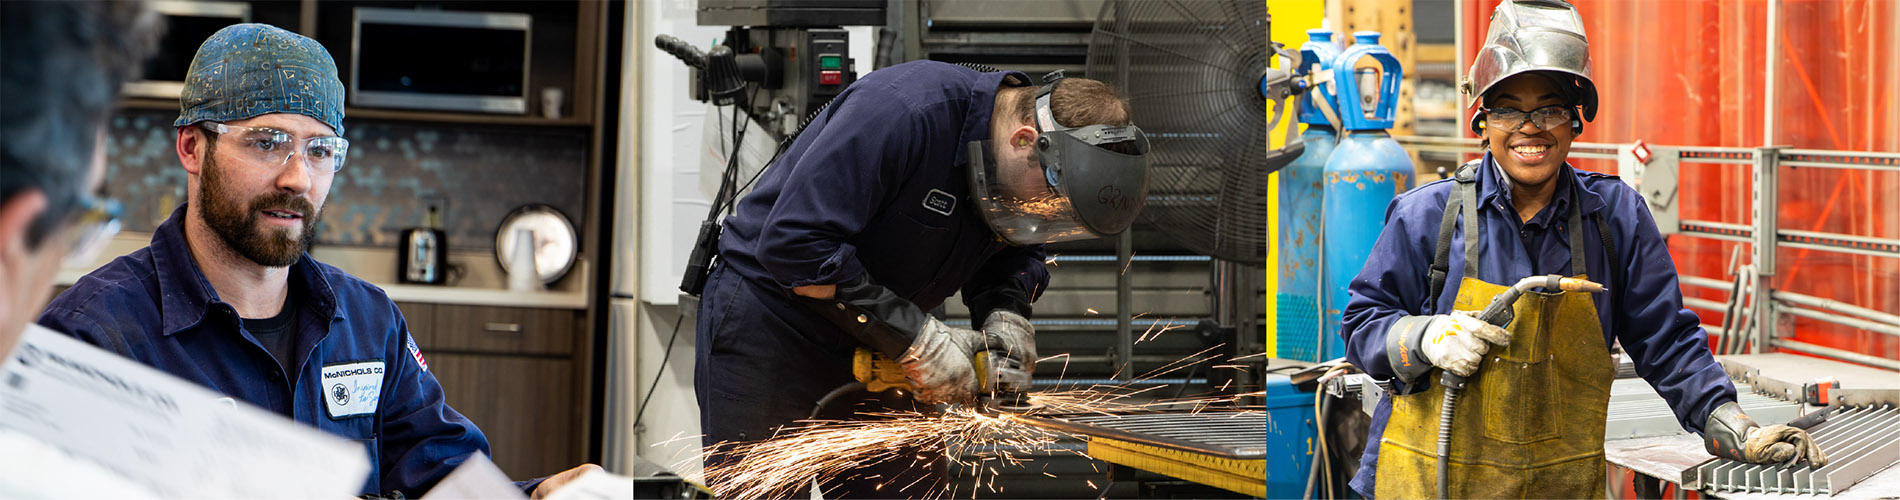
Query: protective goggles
(1546, 118)
(269, 146)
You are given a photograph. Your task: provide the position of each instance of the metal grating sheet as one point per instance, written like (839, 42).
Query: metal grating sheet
(1858, 441)
(1228, 434)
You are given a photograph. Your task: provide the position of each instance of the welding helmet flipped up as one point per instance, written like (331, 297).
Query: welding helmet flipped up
(1534, 36)
(1083, 190)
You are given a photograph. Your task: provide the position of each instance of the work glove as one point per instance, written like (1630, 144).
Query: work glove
(1458, 341)
(1455, 342)
(1733, 435)
(1011, 333)
(938, 363)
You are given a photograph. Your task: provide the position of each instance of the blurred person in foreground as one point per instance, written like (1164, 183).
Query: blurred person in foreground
(63, 65)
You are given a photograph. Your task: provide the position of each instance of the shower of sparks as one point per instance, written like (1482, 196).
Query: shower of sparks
(829, 449)
(1151, 333)
(976, 442)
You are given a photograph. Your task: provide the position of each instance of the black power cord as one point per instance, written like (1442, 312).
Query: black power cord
(723, 200)
(641, 414)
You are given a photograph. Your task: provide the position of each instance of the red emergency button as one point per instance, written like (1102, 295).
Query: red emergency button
(830, 77)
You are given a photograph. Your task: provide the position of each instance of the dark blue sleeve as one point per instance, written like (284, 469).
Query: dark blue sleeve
(64, 314)
(1020, 270)
(1663, 339)
(422, 438)
(834, 189)
(1394, 282)
(79, 327)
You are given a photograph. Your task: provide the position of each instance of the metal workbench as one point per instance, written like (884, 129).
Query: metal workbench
(1225, 449)
(1674, 458)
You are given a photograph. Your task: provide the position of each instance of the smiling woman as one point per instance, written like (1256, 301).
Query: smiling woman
(1532, 146)
(1523, 210)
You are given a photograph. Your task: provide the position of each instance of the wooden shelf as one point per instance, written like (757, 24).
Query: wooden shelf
(452, 117)
(149, 103)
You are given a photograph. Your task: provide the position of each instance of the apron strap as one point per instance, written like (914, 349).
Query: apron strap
(1576, 228)
(1609, 256)
(1441, 260)
(1466, 176)
(1576, 246)
(1474, 226)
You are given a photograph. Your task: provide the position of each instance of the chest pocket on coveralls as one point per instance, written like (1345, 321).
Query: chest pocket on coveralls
(933, 210)
(921, 231)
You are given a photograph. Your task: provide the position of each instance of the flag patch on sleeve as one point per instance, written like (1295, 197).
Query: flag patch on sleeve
(416, 352)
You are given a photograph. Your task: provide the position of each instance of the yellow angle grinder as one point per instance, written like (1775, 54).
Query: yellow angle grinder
(1003, 385)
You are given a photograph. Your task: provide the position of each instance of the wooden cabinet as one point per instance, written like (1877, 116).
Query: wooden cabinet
(524, 405)
(504, 330)
(421, 320)
(514, 372)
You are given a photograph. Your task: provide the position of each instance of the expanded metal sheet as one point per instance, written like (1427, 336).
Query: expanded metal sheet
(1857, 441)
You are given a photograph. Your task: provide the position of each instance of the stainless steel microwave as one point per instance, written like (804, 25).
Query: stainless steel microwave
(440, 60)
(187, 25)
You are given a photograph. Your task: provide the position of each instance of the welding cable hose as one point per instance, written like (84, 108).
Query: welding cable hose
(833, 396)
(1322, 463)
(1444, 439)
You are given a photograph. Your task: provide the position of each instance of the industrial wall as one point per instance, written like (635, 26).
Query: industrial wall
(1707, 73)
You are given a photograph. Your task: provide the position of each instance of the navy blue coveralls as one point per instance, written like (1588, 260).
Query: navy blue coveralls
(876, 184)
(154, 306)
(1642, 309)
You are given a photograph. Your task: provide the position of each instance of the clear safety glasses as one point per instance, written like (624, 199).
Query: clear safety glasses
(1546, 118)
(271, 146)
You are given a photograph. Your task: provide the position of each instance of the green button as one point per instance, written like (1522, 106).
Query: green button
(830, 62)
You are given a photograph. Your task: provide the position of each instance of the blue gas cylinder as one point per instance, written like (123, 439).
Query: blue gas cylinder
(1316, 58)
(1297, 303)
(1366, 170)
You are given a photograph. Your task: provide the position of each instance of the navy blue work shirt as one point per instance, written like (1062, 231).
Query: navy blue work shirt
(878, 183)
(1642, 309)
(154, 306)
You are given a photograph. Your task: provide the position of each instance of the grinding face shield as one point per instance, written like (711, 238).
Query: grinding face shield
(1081, 190)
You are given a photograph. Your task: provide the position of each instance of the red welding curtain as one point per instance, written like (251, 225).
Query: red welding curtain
(1692, 73)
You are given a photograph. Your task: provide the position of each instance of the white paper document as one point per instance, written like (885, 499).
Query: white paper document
(596, 484)
(161, 433)
(477, 477)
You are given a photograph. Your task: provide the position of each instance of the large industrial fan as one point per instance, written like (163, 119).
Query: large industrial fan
(1195, 73)
(1196, 76)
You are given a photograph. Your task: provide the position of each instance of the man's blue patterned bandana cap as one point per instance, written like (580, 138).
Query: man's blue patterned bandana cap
(247, 70)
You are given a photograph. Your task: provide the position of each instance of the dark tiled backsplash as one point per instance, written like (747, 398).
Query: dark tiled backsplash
(483, 173)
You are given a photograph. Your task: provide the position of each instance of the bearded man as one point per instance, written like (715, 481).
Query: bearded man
(227, 297)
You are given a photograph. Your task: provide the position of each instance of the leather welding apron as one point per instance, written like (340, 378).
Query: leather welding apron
(1529, 423)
